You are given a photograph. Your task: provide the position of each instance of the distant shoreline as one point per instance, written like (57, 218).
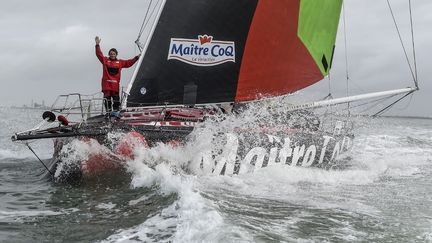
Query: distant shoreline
(26, 108)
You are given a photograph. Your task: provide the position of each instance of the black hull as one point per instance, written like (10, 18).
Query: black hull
(239, 152)
(242, 153)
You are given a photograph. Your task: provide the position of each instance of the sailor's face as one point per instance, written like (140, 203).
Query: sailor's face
(112, 55)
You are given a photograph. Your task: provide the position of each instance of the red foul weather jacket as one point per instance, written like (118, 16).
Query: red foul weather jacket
(112, 72)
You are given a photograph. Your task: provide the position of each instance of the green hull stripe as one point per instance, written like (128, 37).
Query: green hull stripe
(318, 24)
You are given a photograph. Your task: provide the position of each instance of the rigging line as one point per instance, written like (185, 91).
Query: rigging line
(374, 103)
(346, 55)
(46, 167)
(408, 104)
(329, 96)
(144, 21)
(380, 100)
(413, 45)
(151, 14)
(346, 47)
(401, 40)
(145, 25)
(392, 104)
(329, 85)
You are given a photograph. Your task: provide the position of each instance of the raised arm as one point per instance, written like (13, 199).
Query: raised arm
(99, 53)
(130, 62)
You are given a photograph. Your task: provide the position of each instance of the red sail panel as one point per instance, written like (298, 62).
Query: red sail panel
(275, 60)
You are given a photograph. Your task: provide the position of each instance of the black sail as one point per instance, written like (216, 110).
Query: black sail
(161, 81)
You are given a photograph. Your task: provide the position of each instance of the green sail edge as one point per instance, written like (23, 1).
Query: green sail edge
(318, 25)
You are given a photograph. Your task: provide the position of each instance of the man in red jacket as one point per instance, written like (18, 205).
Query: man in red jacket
(111, 75)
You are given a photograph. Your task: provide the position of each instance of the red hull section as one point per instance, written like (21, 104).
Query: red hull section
(101, 162)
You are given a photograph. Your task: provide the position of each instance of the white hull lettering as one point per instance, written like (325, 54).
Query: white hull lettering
(285, 152)
(237, 157)
(336, 152)
(309, 157)
(324, 149)
(228, 155)
(258, 154)
(297, 154)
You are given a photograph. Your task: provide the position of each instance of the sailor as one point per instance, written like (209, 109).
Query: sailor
(111, 75)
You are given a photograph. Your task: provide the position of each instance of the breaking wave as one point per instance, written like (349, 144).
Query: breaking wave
(190, 218)
(233, 208)
(273, 203)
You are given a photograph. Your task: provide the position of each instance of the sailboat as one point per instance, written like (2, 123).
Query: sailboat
(202, 59)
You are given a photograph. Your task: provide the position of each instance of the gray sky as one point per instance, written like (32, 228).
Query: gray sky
(47, 48)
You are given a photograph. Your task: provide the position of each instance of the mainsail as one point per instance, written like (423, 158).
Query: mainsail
(210, 51)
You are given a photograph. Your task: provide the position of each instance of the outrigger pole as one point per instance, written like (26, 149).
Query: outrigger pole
(46, 134)
(348, 99)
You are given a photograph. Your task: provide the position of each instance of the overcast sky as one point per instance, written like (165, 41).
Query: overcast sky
(47, 48)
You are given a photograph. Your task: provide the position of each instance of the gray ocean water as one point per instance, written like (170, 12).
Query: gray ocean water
(384, 195)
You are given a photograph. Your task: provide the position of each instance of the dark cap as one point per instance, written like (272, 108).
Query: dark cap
(114, 50)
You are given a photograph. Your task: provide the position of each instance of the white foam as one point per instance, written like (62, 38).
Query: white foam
(20, 214)
(76, 151)
(389, 155)
(425, 237)
(191, 218)
(195, 218)
(109, 205)
(141, 199)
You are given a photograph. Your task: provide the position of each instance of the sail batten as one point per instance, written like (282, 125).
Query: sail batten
(230, 51)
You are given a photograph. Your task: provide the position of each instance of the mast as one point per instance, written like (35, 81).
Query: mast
(147, 42)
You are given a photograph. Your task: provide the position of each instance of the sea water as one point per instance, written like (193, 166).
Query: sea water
(383, 195)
